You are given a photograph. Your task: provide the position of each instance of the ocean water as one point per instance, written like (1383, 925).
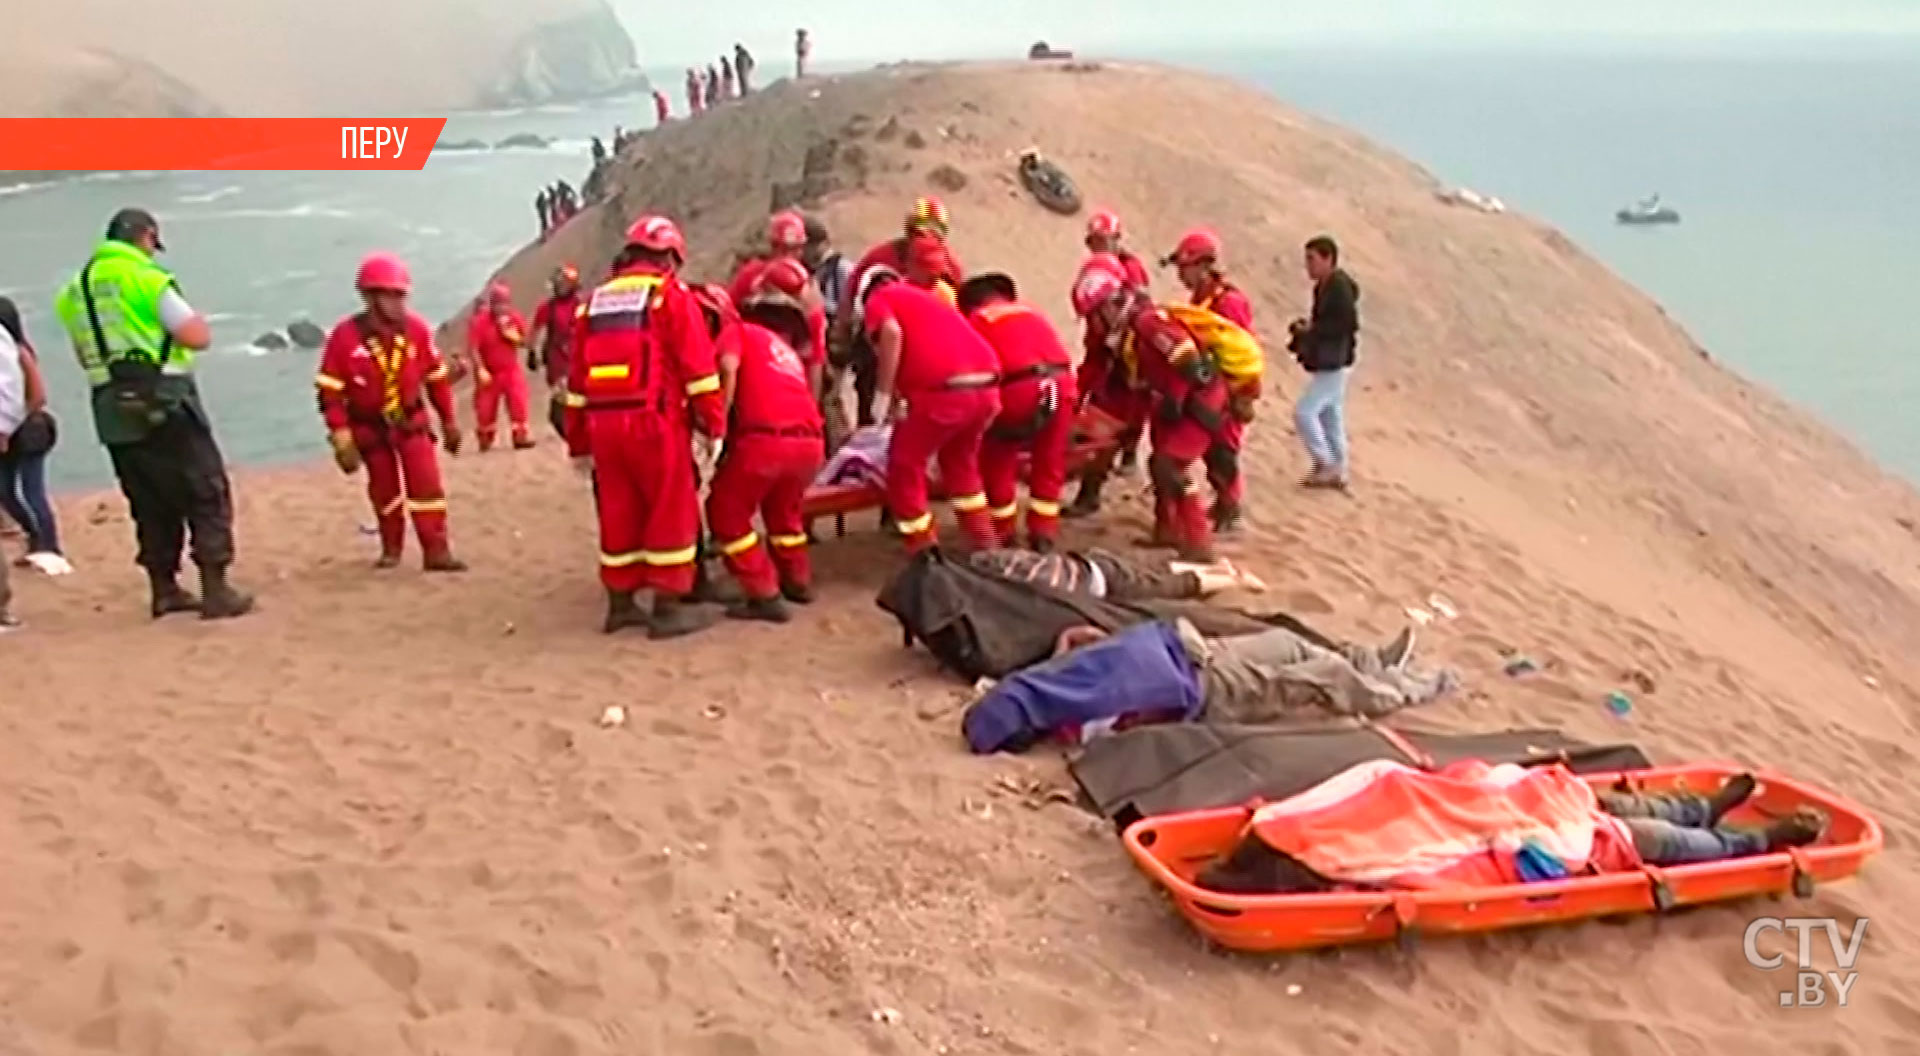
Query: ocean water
(1796, 167)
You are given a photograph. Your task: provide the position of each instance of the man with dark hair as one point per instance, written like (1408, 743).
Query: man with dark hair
(1325, 343)
(135, 337)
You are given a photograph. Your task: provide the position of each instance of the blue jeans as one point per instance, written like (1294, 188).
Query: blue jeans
(1672, 829)
(1321, 417)
(23, 494)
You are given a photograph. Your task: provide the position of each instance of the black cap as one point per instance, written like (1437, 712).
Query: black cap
(130, 223)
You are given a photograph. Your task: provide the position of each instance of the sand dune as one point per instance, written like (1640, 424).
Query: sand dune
(379, 817)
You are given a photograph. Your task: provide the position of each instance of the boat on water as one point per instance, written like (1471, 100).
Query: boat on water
(1648, 210)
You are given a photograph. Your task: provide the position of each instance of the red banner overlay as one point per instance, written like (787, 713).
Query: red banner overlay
(193, 144)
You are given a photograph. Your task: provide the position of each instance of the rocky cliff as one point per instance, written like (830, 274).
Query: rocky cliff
(166, 58)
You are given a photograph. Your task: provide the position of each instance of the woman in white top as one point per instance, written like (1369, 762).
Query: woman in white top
(27, 435)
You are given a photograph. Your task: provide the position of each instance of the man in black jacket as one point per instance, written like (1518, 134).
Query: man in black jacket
(1324, 344)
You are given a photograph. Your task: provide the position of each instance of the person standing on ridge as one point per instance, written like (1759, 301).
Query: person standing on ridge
(695, 99)
(643, 366)
(727, 84)
(802, 50)
(743, 67)
(550, 344)
(1189, 400)
(495, 336)
(662, 107)
(1326, 344)
(775, 446)
(135, 336)
(378, 372)
(543, 208)
(940, 381)
(713, 87)
(1037, 401)
(1197, 260)
(1108, 380)
(926, 222)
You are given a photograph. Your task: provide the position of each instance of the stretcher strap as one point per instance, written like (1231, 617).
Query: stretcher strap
(1662, 895)
(1405, 747)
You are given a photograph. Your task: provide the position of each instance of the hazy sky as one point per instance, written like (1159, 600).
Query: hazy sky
(677, 33)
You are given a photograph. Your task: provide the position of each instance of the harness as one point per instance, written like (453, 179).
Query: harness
(389, 358)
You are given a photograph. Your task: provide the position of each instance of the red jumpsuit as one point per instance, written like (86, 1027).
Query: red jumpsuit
(1136, 270)
(662, 110)
(642, 365)
(746, 282)
(775, 445)
(892, 254)
(496, 335)
(378, 384)
(949, 377)
(694, 96)
(555, 320)
(1186, 421)
(1037, 401)
(1223, 461)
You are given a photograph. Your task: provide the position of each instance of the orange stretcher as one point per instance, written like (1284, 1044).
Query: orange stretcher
(1094, 433)
(1172, 849)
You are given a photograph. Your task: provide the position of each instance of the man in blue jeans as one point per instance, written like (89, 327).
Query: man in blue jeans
(1681, 829)
(1325, 344)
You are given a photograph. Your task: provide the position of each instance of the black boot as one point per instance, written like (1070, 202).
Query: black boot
(1086, 502)
(218, 599)
(622, 612)
(1226, 518)
(798, 593)
(766, 610)
(673, 618)
(168, 598)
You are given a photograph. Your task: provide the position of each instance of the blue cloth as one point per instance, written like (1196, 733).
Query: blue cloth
(1139, 671)
(1533, 863)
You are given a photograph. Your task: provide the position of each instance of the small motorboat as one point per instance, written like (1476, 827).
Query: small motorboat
(1648, 211)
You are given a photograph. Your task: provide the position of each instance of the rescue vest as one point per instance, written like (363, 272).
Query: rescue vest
(1235, 351)
(617, 357)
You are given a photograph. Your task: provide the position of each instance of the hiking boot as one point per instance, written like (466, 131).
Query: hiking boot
(1086, 501)
(388, 559)
(766, 610)
(1798, 829)
(622, 612)
(168, 598)
(1395, 654)
(673, 618)
(522, 443)
(1226, 518)
(444, 561)
(709, 589)
(1735, 792)
(218, 599)
(486, 442)
(798, 593)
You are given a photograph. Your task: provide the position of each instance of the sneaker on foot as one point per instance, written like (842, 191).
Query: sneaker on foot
(1396, 653)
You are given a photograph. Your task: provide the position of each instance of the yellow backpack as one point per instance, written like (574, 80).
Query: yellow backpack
(1234, 350)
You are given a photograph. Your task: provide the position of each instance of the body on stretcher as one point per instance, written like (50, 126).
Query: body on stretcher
(1094, 433)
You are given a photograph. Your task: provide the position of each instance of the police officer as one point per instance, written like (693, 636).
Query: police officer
(135, 336)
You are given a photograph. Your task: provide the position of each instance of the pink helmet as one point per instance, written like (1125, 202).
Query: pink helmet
(659, 234)
(787, 230)
(786, 275)
(499, 293)
(383, 272)
(1104, 223)
(1101, 277)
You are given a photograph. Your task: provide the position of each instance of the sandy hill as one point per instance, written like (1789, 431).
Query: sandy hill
(108, 58)
(379, 817)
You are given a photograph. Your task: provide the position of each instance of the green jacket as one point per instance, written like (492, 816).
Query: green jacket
(141, 378)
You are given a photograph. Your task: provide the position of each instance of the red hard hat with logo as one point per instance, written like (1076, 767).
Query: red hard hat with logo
(1198, 246)
(383, 273)
(929, 216)
(499, 293)
(786, 275)
(658, 234)
(1101, 277)
(1104, 223)
(787, 230)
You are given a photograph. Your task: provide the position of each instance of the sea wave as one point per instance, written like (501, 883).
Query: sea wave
(209, 196)
(303, 211)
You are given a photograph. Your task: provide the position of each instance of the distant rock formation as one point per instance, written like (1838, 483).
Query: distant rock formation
(524, 141)
(306, 333)
(586, 55)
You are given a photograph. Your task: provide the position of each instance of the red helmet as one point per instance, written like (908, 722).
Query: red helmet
(499, 293)
(566, 273)
(786, 275)
(1198, 246)
(384, 272)
(787, 230)
(1101, 277)
(716, 305)
(1104, 223)
(929, 215)
(659, 234)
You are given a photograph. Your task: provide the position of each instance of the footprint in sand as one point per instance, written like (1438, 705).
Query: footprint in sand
(395, 967)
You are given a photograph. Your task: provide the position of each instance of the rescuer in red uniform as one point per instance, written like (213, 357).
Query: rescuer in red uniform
(1108, 380)
(550, 344)
(642, 375)
(378, 371)
(1189, 404)
(786, 237)
(1197, 257)
(776, 441)
(1037, 401)
(926, 222)
(1103, 237)
(940, 382)
(495, 336)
